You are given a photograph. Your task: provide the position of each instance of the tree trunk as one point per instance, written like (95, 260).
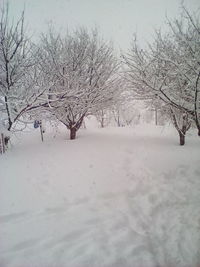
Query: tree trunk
(8, 114)
(2, 144)
(197, 124)
(72, 133)
(156, 116)
(182, 139)
(102, 123)
(199, 131)
(118, 121)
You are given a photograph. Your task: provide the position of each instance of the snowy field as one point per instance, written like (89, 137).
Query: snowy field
(120, 197)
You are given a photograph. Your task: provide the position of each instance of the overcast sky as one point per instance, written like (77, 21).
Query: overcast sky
(116, 19)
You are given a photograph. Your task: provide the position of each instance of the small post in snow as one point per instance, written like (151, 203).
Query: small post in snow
(41, 131)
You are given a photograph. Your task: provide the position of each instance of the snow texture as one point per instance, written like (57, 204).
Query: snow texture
(112, 197)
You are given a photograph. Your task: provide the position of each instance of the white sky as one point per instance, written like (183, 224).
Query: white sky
(116, 19)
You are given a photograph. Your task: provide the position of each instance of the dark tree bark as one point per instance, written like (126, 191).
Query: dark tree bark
(72, 133)
(73, 126)
(182, 139)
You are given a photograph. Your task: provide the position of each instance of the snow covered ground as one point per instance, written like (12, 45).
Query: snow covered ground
(120, 197)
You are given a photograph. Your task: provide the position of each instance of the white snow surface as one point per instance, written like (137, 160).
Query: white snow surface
(120, 197)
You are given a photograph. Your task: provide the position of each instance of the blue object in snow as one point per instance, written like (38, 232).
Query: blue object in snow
(36, 124)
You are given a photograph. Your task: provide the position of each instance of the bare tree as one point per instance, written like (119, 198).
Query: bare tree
(18, 87)
(169, 69)
(81, 73)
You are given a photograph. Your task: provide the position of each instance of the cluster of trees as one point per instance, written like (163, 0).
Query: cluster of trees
(77, 74)
(120, 114)
(167, 72)
(67, 76)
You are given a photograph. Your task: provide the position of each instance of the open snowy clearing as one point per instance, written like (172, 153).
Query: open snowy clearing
(121, 197)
